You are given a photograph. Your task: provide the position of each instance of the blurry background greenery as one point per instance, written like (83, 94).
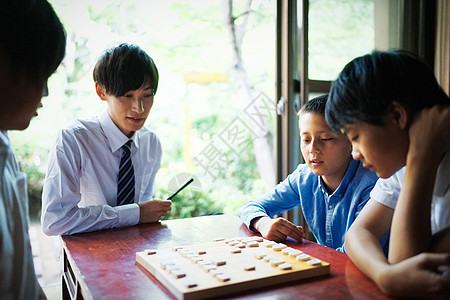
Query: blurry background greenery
(189, 41)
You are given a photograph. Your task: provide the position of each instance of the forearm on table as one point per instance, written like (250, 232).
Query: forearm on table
(365, 251)
(86, 219)
(411, 226)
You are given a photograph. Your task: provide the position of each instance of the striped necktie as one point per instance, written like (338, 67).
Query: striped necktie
(125, 181)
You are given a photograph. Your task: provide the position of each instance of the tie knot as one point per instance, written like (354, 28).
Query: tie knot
(127, 146)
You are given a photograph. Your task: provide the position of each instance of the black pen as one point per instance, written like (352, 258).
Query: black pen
(182, 187)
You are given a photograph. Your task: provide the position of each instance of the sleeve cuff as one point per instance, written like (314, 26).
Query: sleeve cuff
(128, 214)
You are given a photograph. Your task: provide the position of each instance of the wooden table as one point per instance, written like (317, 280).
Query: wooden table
(102, 264)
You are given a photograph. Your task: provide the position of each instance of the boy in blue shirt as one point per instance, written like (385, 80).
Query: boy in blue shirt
(331, 187)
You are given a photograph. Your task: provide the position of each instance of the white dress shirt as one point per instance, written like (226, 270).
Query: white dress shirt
(18, 279)
(387, 191)
(80, 188)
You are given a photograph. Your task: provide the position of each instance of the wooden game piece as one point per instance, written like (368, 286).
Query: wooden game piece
(249, 267)
(200, 252)
(253, 244)
(197, 260)
(315, 262)
(171, 268)
(190, 283)
(269, 244)
(235, 250)
(233, 243)
(285, 266)
(185, 252)
(287, 250)
(208, 268)
(150, 251)
(215, 271)
(166, 263)
(245, 240)
(252, 239)
(260, 255)
(278, 247)
(178, 273)
(219, 262)
(277, 261)
(303, 257)
(295, 253)
(268, 258)
(257, 239)
(204, 262)
(220, 239)
(176, 248)
(240, 245)
(192, 256)
(223, 277)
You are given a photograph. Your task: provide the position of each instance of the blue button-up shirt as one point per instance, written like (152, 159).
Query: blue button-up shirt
(328, 216)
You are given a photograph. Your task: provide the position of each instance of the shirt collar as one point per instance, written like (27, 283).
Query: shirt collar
(115, 137)
(349, 174)
(4, 139)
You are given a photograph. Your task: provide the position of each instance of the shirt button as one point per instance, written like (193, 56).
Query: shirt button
(330, 207)
(340, 195)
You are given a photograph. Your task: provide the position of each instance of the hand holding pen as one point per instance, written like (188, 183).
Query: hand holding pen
(152, 211)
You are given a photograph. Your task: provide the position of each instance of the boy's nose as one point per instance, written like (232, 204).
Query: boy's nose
(356, 155)
(137, 105)
(314, 147)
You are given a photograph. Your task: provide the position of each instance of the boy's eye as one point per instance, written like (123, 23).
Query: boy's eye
(326, 139)
(306, 141)
(354, 138)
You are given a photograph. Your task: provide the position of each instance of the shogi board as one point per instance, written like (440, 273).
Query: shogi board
(182, 269)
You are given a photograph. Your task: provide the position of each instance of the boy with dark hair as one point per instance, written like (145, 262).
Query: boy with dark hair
(32, 45)
(102, 170)
(395, 114)
(331, 187)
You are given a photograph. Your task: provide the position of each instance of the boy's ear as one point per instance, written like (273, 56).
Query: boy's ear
(100, 91)
(400, 114)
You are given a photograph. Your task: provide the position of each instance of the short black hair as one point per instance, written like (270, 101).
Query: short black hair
(315, 105)
(368, 84)
(32, 38)
(125, 68)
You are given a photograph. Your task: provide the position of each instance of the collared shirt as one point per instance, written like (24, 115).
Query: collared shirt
(328, 216)
(80, 188)
(387, 191)
(18, 278)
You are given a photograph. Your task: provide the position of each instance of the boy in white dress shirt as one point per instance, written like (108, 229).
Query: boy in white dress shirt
(32, 45)
(81, 190)
(397, 117)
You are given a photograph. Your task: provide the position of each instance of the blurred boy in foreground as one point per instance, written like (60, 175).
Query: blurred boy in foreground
(32, 45)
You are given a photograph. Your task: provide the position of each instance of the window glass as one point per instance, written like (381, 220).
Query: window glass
(339, 30)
